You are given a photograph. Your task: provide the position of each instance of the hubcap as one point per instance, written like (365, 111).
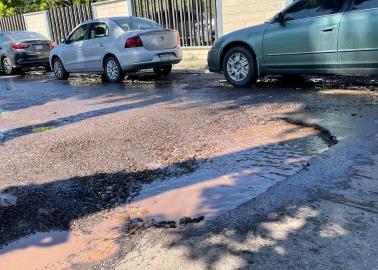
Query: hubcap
(238, 67)
(7, 65)
(112, 69)
(58, 69)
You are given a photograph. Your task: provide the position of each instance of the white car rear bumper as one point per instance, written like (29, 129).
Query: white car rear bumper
(139, 58)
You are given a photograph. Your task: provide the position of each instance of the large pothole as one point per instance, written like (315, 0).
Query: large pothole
(249, 161)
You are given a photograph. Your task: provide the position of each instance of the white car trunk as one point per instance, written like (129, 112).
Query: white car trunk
(159, 40)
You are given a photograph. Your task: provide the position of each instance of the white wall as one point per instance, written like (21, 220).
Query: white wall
(113, 8)
(38, 22)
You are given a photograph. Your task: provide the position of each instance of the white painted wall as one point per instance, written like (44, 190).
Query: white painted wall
(112, 8)
(38, 22)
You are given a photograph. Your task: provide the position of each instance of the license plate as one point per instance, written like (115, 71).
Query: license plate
(38, 47)
(165, 57)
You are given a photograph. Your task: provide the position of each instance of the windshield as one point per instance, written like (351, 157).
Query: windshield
(132, 24)
(20, 36)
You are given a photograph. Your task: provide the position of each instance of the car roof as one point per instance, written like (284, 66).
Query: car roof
(14, 32)
(107, 19)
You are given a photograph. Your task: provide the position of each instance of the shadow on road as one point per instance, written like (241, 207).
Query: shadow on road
(54, 206)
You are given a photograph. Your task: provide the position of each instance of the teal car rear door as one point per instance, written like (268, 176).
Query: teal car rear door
(306, 41)
(358, 38)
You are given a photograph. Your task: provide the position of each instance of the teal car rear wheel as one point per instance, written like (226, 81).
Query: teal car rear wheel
(239, 67)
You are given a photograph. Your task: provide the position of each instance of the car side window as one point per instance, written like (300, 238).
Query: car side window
(364, 4)
(78, 35)
(1, 38)
(98, 30)
(313, 8)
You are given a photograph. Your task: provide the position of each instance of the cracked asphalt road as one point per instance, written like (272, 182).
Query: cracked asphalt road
(63, 144)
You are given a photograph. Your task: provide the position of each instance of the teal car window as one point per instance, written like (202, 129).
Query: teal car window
(313, 8)
(365, 4)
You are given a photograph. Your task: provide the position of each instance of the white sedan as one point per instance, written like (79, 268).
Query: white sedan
(114, 46)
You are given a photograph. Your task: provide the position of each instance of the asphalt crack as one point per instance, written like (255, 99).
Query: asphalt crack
(323, 133)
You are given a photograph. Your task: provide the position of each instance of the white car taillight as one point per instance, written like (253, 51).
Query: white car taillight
(134, 42)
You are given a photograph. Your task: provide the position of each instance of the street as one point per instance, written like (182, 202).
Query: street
(98, 175)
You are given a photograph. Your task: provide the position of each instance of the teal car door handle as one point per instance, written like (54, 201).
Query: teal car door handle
(329, 28)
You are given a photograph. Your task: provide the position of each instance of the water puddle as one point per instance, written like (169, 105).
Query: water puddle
(252, 160)
(62, 249)
(248, 162)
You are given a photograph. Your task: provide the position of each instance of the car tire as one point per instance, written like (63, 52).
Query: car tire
(104, 79)
(113, 70)
(8, 68)
(48, 69)
(239, 67)
(163, 70)
(59, 70)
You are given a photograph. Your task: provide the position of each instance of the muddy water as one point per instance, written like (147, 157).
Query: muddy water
(246, 164)
(246, 167)
(61, 250)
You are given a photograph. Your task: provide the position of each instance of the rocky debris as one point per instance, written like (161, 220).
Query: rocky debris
(165, 224)
(188, 220)
(138, 225)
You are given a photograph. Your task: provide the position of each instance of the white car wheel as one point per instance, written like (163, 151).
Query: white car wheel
(113, 70)
(59, 71)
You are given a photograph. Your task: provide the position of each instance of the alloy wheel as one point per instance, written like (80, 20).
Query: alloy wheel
(112, 69)
(7, 66)
(58, 68)
(238, 67)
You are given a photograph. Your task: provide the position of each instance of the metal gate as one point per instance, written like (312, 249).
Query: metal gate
(194, 19)
(64, 20)
(12, 23)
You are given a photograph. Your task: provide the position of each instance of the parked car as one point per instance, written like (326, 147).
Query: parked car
(114, 46)
(22, 50)
(308, 37)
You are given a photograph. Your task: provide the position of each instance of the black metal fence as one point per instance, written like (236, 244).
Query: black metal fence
(12, 23)
(64, 20)
(194, 19)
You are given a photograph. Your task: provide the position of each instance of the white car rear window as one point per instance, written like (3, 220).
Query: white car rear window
(133, 24)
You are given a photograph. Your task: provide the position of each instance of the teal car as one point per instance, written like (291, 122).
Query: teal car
(308, 37)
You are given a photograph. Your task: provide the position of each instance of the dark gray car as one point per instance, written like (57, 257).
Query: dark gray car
(22, 50)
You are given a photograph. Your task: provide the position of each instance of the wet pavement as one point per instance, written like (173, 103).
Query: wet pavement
(246, 167)
(80, 160)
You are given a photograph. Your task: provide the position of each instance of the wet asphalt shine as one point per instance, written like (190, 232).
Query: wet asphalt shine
(154, 149)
